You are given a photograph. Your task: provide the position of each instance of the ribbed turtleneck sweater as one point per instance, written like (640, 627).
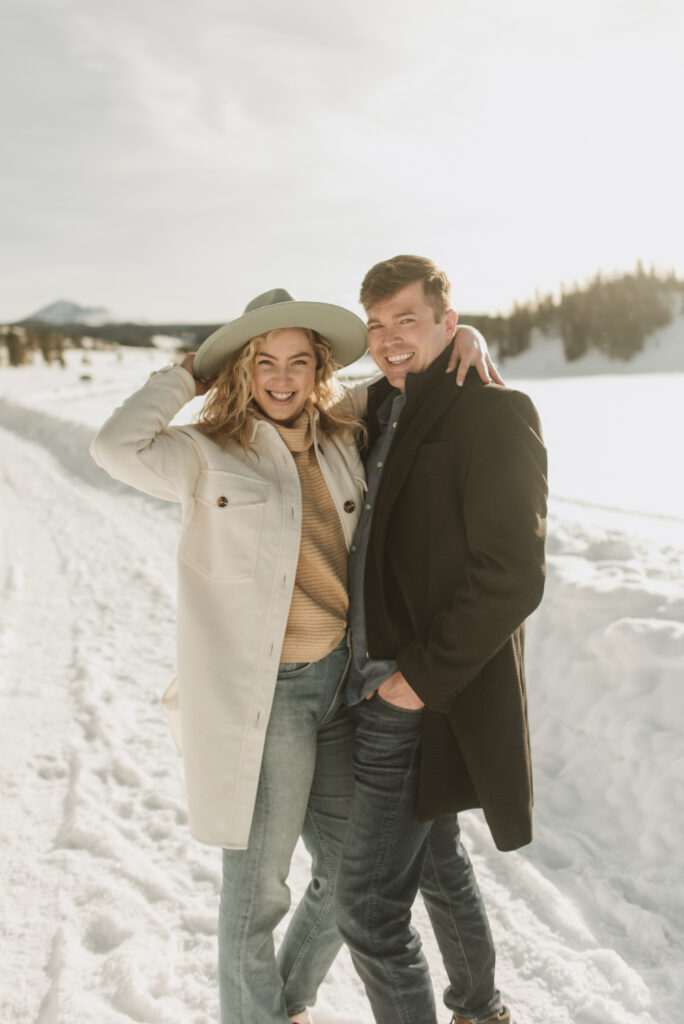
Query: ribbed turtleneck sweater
(318, 614)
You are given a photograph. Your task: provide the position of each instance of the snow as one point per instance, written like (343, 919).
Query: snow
(109, 907)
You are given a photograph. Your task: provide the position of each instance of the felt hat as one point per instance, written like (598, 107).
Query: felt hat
(276, 309)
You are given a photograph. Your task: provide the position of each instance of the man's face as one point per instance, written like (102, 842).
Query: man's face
(403, 336)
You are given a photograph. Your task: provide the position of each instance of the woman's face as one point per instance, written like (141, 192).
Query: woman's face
(284, 374)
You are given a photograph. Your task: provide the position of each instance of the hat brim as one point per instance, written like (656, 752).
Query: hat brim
(345, 331)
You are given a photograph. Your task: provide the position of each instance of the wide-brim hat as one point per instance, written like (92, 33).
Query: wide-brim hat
(276, 309)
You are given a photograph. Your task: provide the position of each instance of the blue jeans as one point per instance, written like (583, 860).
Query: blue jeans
(305, 788)
(388, 855)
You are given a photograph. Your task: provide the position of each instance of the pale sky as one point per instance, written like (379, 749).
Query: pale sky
(170, 160)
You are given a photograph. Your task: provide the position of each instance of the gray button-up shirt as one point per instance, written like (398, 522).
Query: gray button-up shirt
(366, 674)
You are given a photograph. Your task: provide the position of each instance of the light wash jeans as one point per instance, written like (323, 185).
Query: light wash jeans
(388, 855)
(305, 788)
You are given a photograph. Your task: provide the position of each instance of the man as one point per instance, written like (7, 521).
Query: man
(447, 562)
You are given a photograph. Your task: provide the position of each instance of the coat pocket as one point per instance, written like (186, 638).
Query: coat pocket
(222, 538)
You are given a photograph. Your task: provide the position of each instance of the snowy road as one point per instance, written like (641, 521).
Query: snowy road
(109, 908)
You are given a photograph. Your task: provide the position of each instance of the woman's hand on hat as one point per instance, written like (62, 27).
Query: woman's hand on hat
(201, 386)
(470, 349)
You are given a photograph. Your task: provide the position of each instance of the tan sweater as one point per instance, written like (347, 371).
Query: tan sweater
(318, 614)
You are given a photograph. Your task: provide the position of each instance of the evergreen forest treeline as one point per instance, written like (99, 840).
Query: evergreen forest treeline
(611, 314)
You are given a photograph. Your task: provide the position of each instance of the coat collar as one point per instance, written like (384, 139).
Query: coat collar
(433, 383)
(416, 383)
(428, 395)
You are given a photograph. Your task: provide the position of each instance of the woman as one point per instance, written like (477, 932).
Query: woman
(270, 483)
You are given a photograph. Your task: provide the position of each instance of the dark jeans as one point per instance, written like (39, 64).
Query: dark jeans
(387, 856)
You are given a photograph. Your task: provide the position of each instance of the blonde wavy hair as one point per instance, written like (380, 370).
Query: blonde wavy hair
(227, 414)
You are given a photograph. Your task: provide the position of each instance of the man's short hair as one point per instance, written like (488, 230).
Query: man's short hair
(387, 278)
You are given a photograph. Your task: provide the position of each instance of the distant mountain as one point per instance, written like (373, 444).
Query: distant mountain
(98, 322)
(65, 312)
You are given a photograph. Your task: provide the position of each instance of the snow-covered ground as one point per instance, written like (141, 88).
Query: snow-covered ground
(109, 907)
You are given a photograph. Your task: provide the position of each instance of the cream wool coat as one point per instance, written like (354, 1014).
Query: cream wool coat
(237, 559)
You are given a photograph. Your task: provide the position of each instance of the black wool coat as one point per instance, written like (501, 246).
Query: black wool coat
(455, 565)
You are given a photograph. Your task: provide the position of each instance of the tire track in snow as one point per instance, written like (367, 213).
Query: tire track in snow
(34, 712)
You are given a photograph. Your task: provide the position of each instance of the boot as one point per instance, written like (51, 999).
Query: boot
(503, 1017)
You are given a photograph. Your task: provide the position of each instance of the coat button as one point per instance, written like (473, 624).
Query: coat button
(349, 506)
(222, 501)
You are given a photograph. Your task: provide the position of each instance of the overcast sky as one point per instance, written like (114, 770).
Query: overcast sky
(170, 159)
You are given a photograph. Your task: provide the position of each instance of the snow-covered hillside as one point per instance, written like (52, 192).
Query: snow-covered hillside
(109, 908)
(663, 352)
